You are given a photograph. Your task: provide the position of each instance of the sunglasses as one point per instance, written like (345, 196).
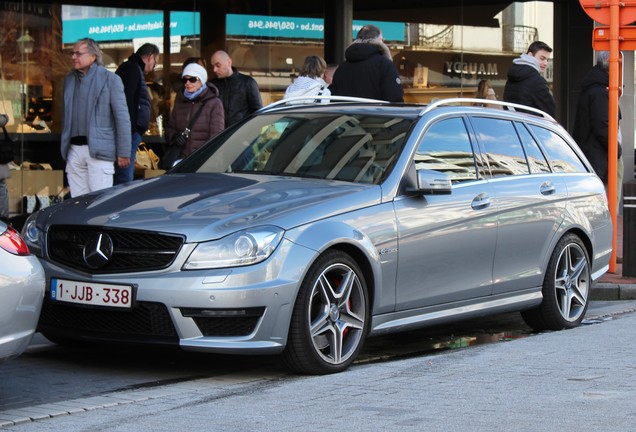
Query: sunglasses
(191, 79)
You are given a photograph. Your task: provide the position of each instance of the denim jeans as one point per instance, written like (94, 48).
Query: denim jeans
(124, 175)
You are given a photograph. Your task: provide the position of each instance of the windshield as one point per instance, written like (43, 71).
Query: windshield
(348, 147)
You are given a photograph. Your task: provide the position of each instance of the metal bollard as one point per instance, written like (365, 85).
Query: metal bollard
(629, 228)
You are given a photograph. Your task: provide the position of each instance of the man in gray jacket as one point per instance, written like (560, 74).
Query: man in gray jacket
(96, 129)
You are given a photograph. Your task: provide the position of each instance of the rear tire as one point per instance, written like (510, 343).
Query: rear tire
(330, 319)
(566, 288)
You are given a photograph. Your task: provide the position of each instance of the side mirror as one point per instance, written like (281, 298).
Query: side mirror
(431, 182)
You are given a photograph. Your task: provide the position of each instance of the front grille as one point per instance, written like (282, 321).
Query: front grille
(147, 321)
(133, 250)
(225, 322)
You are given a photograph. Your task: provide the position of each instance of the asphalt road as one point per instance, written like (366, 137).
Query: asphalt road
(403, 381)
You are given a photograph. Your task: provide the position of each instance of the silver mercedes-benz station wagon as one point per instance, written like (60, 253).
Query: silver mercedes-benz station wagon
(310, 227)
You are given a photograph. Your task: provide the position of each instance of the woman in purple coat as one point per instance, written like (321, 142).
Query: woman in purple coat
(196, 94)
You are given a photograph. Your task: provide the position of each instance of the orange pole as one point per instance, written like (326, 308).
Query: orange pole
(612, 144)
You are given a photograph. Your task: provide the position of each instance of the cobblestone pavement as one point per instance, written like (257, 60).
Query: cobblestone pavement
(582, 379)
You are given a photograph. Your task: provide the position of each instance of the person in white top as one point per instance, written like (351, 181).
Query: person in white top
(310, 82)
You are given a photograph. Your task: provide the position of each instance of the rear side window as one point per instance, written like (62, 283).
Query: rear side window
(536, 160)
(446, 147)
(560, 155)
(503, 148)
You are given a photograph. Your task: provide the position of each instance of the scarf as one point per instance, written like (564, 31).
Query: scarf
(192, 96)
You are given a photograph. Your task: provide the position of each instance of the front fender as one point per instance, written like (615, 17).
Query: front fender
(368, 234)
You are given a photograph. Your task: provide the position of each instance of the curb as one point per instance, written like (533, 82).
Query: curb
(613, 291)
(220, 384)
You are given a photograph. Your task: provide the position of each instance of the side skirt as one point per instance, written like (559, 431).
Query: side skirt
(431, 315)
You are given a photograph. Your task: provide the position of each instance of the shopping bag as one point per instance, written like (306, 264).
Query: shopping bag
(146, 158)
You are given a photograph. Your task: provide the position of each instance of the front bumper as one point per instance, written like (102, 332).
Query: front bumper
(21, 293)
(243, 310)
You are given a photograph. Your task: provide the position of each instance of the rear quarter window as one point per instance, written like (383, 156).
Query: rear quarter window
(561, 157)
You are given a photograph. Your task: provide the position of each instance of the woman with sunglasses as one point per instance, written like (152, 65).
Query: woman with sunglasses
(197, 94)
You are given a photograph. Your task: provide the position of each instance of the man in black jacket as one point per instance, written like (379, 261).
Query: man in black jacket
(368, 70)
(525, 85)
(591, 123)
(132, 73)
(238, 92)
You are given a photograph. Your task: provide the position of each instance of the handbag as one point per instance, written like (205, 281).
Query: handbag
(172, 152)
(6, 148)
(146, 158)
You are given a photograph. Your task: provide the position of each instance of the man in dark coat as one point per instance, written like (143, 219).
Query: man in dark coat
(592, 119)
(132, 73)
(368, 70)
(238, 92)
(525, 85)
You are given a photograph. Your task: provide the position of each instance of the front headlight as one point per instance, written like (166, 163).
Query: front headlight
(242, 248)
(33, 235)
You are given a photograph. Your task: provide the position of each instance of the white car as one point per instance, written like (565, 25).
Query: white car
(21, 293)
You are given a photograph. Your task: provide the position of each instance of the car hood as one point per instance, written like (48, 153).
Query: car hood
(208, 206)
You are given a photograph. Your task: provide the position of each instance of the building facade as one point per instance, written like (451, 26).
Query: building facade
(441, 49)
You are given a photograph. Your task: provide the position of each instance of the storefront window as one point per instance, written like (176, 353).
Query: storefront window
(434, 60)
(445, 57)
(35, 40)
(120, 32)
(26, 66)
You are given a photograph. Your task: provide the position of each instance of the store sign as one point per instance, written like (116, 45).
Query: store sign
(299, 28)
(130, 27)
(471, 68)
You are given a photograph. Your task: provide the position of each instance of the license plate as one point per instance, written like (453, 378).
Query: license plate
(92, 293)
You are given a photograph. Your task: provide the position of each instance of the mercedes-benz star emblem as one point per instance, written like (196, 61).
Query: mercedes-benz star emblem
(98, 251)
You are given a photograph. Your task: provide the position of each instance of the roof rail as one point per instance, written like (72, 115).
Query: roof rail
(302, 100)
(506, 105)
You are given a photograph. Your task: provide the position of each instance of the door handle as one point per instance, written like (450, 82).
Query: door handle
(547, 188)
(481, 201)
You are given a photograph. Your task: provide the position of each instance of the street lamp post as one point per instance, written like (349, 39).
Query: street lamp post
(26, 44)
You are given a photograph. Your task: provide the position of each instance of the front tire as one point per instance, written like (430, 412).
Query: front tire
(330, 319)
(566, 288)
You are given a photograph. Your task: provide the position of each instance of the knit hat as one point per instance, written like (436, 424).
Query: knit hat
(195, 70)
